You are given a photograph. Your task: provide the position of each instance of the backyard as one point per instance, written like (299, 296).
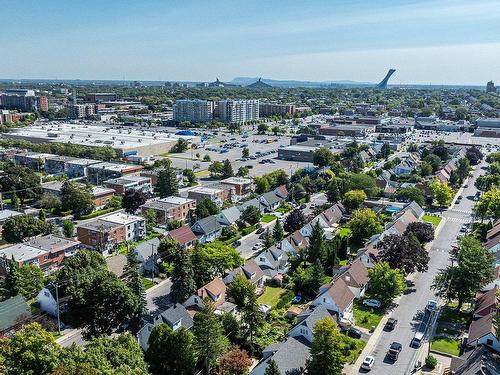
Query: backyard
(366, 317)
(271, 296)
(267, 218)
(452, 324)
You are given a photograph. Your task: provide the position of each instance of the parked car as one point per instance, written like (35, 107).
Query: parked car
(394, 351)
(431, 305)
(391, 324)
(260, 230)
(236, 243)
(351, 332)
(297, 299)
(417, 340)
(372, 303)
(368, 363)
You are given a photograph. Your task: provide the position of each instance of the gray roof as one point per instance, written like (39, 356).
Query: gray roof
(252, 202)
(175, 313)
(11, 310)
(207, 225)
(232, 214)
(416, 209)
(312, 315)
(144, 248)
(272, 254)
(271, 198)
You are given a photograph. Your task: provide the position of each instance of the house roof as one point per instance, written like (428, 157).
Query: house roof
(271, 198)
(487, 300)
(206, 225)
(281, 191)
(11, 310)
(340, 293)
(356, 275)
(310, 316)
(177, 313)
(252, 270)
(145, 248)
(116, 264)
(182, 235)
(52, 243)
(214, 288)
(232, 214)
(494, 231)
(482, 360)
(481, 327)
(21, 252)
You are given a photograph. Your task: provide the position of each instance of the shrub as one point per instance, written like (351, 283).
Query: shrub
(431, 362)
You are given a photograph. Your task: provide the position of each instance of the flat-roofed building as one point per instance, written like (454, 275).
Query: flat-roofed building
(170, 208)
(238, 111)
(242, 187)
(135, 226)
(123, 184)
(271, 109)
(100, 172)
(98, 97)
(195, 110)
(217, 194)
(101, 235)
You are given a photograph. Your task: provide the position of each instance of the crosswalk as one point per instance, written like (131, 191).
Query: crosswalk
(458, 220)
(460, 211)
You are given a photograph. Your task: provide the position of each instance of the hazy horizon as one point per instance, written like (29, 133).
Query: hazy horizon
(450, 42)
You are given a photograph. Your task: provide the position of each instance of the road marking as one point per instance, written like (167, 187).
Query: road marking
(458, 220)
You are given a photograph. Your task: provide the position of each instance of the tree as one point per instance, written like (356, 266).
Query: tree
(307, 281)
(268, 239)
(41, 215)
(385, 151)
(353, 199)
(23, 181)
(463, 169)
(227, 170)
(425, 168)
(386, 283)
(183, 284)
(213, 260)
(242, 171)
(190, 176)
(48, 201)
(294, 221)
(364, 223)
(245, 152)
(323, 157)
(404, 253)
(77, 198)
(278, 232)
(26, 280)
(181, 145)
(262, 128)
(326, 350)
(210, 341)
(272, 368)
(489, 204)
(241, 289)
(32, 351)
(18, 228)
(443, 194)
(206, 208)
(333, 192)
(473, 269)
(360, 181)
(424, 232)
(251, 215)
(135, 284)
(167, 184)
(216, 169)
(316, 250)
(235, 362)
(151, 219)
(434, 161)
(171, 352)
(474, 155)
(68, 228)
(133, 199)
(411, 194)
(252, 319)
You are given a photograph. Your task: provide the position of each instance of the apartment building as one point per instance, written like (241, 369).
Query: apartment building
(193, 110)
(238, 111)
(170, 208)
(123, 184)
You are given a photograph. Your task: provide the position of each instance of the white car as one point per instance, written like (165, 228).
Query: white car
(368, 363)
(372, 303)
(431, 305)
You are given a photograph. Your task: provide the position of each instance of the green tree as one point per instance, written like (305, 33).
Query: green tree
(268, 239)
(68, 228)
(243, 171)
(333, 192)
(323, 157)
(443, 194)
(252, 319)
(353, 199)
(411, 194)
(151, 219)
(241, 289)
(18, 228)
(171, 352)
(23, 181)
(360, 181)
(210, 341)
(316, 250)
(251, 215)
(425, 168)
(181, 145)
(472, 270)
(404, 253)
(135, 284)
(272, 368)
(206, 208)
(245, 152)
(216, 169)
(326, 349)
(364, 223)
(183, 283)
(263, 128)
(213, 260)
(26, 280)
(386, 283)
(48, 201)
(190, 176)
(228, 169)
(167, 184)
(133, 199)
(278, 232)
(77, 198)
(294, 221)
(434, 161)
(489, 204)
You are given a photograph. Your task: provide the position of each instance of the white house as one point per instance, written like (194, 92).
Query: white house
(336, 297)
(483, 332)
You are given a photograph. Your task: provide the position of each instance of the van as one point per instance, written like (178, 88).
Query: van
(417, 339)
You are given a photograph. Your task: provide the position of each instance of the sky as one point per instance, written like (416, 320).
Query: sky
(426, 41)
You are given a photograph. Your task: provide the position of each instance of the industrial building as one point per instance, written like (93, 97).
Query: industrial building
(125, 142)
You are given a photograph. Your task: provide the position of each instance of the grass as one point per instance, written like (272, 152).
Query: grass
(229, 241)
(343, 262)
(271, 296)
(446, 345)
(365, 316)
(248, 230)
(452, 322)
(122, 247)
(147, 283)
(267, 218)
(357, 347)
(202, 174)
(434, 220)
(282, 210)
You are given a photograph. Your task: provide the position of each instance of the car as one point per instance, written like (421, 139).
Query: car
(236, 243)
(303, 206)
(409, 283)
(368, 363)
(417, 339)
(351, 332)
(297, 299)
(431, 305)
(372, 303)
(391, 324)
(272, 161)
(260, 230)
(394, 351)
(466, 186)
(464, 228)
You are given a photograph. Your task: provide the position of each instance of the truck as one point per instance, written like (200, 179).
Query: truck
(394, 351)
(417, 339)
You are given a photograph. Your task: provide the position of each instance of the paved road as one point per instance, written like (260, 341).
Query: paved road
(409, 309)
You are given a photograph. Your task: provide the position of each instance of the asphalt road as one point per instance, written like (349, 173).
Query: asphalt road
(410, 308)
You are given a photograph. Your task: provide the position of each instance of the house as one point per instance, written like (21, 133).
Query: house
(184, 236)
(407, 166)
(101, 235)
(147, 256)
(117, 264)
(135, 226)
(306, 321)
(281, 191)
(242, 187)
(176, 316)
(270, 201)
(333, 215)
(483, 332)
(215, 291)
(294, 243)
(273, 261)
(250, 270)
(493, 238)
(207, 229)
(56, 245)
(385, 183)
(170, 208)
(336, 297)
(487, 303)
(12, 311)
(356, 277)
(130, 183)
(479, 361)
(228, 216)
(255, 202)
(216, 194)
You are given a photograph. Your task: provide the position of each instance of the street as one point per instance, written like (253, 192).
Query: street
(409, 309)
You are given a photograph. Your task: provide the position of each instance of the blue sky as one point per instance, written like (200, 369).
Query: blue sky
(439, 42)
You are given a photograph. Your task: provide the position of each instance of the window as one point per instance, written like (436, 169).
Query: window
(489, 342)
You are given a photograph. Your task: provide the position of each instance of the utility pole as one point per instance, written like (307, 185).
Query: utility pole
(152, 263)
(58, 314)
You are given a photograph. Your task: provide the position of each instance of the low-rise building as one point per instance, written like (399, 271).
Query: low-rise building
(242, 187)
(184, 236)
(101, 235)
(216, 194)
(128, 183)
(135, 226)
(98, 173)
(207, 229)
(170, 208)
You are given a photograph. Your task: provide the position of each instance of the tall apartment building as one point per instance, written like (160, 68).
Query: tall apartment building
(44, 104)
(21, 99)
(238, 110)
(82, 110)
(270, 109)
(490, 87)
(193, 110)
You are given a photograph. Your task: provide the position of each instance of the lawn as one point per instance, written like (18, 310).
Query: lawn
(267, 218)
(434, 220)
(282, 210)
(202, 173)
(366, 317)
(445, 345)
(271, 296)
(356, 350)
(147, 283)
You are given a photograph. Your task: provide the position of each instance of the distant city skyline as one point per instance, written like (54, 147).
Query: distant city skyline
(428, 42)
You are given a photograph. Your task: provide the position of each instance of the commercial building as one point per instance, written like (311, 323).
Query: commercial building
(344, 130)
(20, 99)
(489, 127)
(170, 208)
(44, 104)
(98, 97)
(238, 111)
(271, 109)
(193, 110)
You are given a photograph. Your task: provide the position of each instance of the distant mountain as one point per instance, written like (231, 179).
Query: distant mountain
(246, 81)
(259, 85)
